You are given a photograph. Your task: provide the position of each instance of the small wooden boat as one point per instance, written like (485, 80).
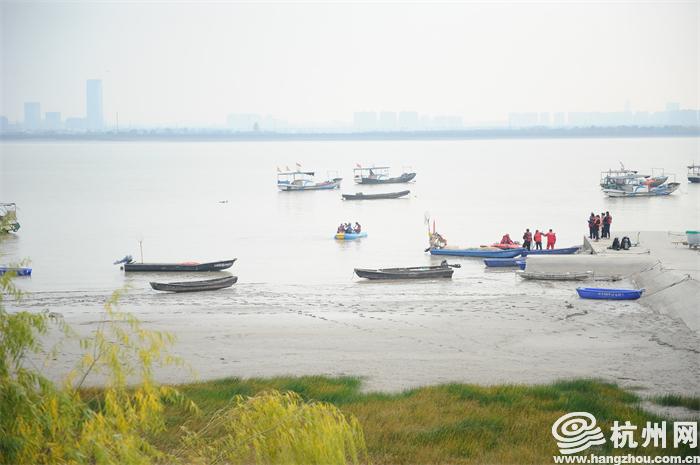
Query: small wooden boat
(385, 195)
(379, 175)
(21, 271)
(179, 267)
(444, 270)
(561, 251)
(196, 286)
(566, 276)
(350, 236)
(293, 181)
(478, 252)
(609, 294)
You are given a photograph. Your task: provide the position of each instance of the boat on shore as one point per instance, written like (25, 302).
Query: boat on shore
(18, 271)
(8, 217)
(566, 276)
(129, 265)
(560, 251)
(477, 252)
(385, 195)
(379, 175)
(609, 294)
(505, 262)
(292, 181)
(694, 173)
(444, 270)
(196, 286)
(350, 236)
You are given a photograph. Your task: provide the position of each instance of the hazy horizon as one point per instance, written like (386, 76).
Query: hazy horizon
(187, 63)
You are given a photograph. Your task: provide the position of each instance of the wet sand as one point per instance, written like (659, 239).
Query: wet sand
(488, 329)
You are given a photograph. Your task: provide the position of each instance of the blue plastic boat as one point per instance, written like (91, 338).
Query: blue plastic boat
(562, 251)
(609, 294)
(505, 262)
(478, 252)
(18, 271)
(350, 236)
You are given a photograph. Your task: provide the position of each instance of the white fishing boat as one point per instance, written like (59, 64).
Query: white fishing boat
(694, 173)
(624, 179)
(304, 181)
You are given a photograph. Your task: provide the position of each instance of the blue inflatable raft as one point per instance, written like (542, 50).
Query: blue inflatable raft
(350, 236)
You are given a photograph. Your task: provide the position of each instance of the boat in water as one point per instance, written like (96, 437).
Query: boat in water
(560, 251)
(128, 264)
(8, 217)
(505, 262)
(477, 252)
(565, 276)
(609, 294)
(385, 195)
(620, 178)
(18, 271)
(379, 175)
(350, 236)
(196, 286)
(444, 270)
(292, 181)
(694, 173)
(643, 190)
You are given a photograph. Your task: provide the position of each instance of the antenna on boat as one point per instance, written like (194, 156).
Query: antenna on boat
(141, 248)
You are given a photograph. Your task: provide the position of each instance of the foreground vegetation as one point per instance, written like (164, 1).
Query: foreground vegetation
(453, 423)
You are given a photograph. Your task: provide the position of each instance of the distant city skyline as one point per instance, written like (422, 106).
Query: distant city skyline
(193, 64)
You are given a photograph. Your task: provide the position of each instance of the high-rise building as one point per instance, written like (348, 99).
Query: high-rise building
(93, 104)
(52, 120)
(32, 115)
(365, 121)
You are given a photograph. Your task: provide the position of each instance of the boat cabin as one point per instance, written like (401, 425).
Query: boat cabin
(375, 172)
(8, 217)
(295, 178)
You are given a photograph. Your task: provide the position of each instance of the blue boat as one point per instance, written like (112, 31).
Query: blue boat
(609, 294)
(505, 262)
(17, 271)
(562, 251)
(478, 252)
(350, 236)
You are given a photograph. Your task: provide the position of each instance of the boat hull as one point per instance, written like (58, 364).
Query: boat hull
(478, 253)
(694, 179)
(386, 195)
(665, 189)
(405, 177)
(542, 276)
(609, 294)
(179, 267)
(504, 263)
(18, 271)
(327, 185)
(350, 236)
(433, 272)
(196, 286)
(562, 251)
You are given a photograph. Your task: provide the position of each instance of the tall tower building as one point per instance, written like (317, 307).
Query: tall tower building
(93, 101)
(32, 115)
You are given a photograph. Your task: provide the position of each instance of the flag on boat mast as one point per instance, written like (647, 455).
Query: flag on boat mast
(279, 170)
(358, 165)
(298, 165)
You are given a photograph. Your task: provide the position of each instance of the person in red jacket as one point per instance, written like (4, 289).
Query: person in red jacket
(551, 239)
(538, 239)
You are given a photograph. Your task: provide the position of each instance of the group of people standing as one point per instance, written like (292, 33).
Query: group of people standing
(599, 226)
(528, 238)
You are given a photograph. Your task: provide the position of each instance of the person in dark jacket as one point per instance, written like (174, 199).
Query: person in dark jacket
(527, 239)
(591, 225)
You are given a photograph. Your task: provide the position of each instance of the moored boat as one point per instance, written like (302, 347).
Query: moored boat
(644, 190)
(289, 181)
(8, 217)
(385, 195)
(478, 252)
(379, 175)
(560, 251)
(504, 262)
(694, 173)
(350, 236)
(196, 286)
(18, 271)
(565, 276)
(444, 270)
(130, 265)
(609, 294)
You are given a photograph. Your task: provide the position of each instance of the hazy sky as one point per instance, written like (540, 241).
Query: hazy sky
(196, 62)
